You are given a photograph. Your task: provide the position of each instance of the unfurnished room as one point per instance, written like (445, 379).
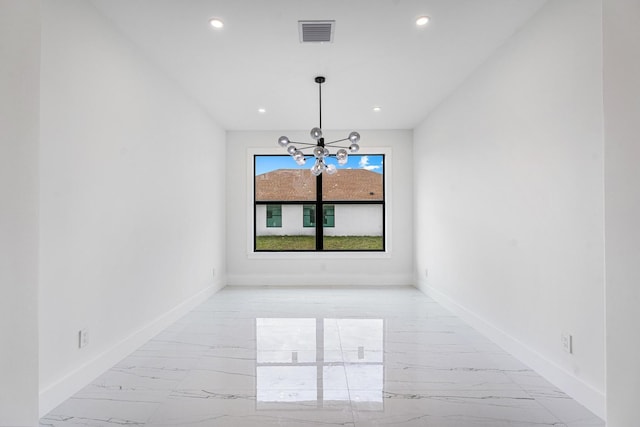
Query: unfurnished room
(331, 213)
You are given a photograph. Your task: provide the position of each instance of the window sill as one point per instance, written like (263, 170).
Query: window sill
(319, 255)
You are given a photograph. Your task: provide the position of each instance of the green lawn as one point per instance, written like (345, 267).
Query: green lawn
(297, 243)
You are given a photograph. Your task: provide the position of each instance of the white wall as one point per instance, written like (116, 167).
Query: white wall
(19, 116)
(246, 268)
(509, 198)
(622, 213)
(132, 199)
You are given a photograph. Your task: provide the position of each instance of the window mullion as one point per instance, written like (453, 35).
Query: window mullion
(319, 215)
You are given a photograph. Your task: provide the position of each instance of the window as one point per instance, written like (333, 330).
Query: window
(328, 216)
(340, 212)
(309, 216)
(274, 216)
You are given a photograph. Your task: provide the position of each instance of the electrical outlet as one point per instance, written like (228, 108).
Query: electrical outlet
(83, 338)
(426, 272)
(566, 341)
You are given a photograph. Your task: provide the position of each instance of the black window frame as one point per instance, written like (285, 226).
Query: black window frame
(319, 204)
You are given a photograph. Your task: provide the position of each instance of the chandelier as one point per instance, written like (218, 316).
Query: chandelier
(320, 148)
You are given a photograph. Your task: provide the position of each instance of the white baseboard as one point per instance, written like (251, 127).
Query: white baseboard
(55, 394)
(322, 279)
(588, 396)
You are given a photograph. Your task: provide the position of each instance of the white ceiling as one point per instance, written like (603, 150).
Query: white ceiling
(378, 56)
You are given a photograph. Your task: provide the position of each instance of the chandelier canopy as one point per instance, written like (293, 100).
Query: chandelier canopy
(320, 149)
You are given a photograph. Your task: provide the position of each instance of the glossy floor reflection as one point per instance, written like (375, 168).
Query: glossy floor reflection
(313, 357)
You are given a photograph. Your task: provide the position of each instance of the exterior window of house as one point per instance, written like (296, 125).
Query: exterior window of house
(309, 216)
(340, 212)
(274, 216)
(329, 216)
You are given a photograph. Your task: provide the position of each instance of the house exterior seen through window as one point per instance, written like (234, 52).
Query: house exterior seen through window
(309, 216)
(296, 211)
(274, 216)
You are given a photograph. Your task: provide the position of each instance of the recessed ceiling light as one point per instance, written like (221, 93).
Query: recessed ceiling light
(376, 109)
(422, 21)
(216, 23)
(261, 110)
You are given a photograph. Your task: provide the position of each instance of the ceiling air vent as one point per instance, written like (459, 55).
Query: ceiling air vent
(316, 31)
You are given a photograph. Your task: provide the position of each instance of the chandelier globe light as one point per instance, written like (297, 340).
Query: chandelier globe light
(320, 149)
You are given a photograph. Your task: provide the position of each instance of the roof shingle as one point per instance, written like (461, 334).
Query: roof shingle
(300, 185)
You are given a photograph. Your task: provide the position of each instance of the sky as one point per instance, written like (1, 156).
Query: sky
(265, 164)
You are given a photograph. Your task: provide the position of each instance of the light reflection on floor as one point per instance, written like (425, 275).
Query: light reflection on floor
(318, 361)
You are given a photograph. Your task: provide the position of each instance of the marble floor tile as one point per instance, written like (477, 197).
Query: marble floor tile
(320, 357)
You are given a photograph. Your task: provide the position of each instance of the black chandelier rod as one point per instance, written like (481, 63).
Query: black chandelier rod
(320, 103)
(320, 80)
